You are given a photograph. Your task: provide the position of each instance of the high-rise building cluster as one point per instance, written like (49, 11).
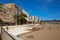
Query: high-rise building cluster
(7, 11)
(34, 19)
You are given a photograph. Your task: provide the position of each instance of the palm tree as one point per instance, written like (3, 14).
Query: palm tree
(1, 27)
(16, 17)
(19, 16)
(0, 21)
(22, 18)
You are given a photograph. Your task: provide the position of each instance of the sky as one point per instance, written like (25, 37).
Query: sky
(46, 9)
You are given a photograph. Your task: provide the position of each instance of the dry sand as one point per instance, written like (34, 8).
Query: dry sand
(48, 32)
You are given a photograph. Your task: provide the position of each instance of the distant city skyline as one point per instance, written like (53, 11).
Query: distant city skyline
(46, 9)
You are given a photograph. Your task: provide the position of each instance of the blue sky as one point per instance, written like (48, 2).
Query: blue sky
(46, 9)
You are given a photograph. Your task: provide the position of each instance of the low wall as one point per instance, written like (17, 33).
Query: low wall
(6, 36)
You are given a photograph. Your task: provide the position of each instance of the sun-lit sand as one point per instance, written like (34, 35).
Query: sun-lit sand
(46, 32)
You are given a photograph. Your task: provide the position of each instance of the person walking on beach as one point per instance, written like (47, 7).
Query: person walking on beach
(7, 28)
